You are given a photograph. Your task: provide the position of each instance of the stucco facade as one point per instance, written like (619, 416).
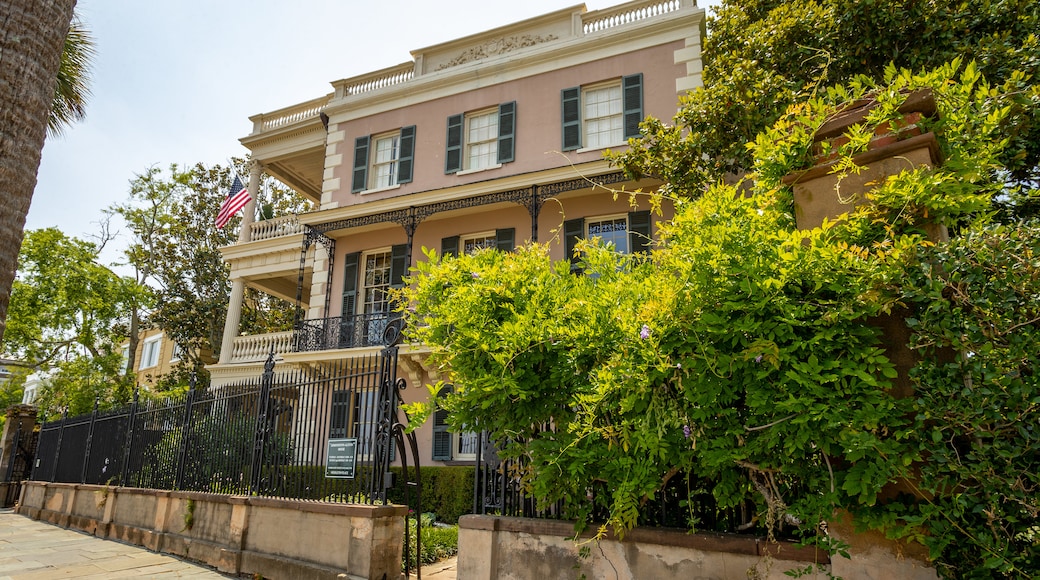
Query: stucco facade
(493, 139)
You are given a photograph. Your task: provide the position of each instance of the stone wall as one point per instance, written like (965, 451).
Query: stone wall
(274, 538)
(494, 547)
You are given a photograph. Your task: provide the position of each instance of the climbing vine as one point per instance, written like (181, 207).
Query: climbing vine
(746, 352)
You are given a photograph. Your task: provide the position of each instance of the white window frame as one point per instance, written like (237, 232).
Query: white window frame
(593, 114)
(363, 287)
(151, 352)
(480, 140)
(484, 238)
(457, 440)
(177, 352)
(388, 162)
(592, 221)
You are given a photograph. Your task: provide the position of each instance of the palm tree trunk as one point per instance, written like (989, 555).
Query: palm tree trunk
(32, 35)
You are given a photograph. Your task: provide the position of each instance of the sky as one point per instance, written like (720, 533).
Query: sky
(175, 81)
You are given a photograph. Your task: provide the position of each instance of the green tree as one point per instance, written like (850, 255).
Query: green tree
(761, 56)
(740, 353)
(31, 38)
(176, 249)
(73, 88)
(68, 314)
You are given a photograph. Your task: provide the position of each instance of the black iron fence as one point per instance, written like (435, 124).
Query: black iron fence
(684, 502)
(19, 464)
(269, 436)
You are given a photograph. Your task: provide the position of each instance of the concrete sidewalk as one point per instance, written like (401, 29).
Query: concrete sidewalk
(31, 550)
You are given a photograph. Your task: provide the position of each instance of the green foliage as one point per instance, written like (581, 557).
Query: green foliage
(176, 248)
(72, 89)
(447, 491)
(763, 55)
(438, 543)
(67, 315)
(749, 354)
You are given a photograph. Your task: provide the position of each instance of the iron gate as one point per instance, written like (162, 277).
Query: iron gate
(20, 464)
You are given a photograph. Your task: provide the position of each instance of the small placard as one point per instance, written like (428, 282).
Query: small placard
(342, 459)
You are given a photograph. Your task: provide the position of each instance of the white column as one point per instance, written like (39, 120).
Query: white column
(249, 211)
(234, 317)
(238, 285)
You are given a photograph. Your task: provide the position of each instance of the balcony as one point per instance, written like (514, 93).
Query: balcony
(339, 332)
(270, 259)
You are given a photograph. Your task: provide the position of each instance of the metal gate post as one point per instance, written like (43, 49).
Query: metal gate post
(182, 453)
(129, 442)
(90, 437)
(57, 449)
(262, 428)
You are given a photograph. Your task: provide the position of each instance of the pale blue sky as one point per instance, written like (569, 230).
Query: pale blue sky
(175, 81)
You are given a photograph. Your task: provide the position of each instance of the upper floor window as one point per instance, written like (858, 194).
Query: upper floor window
(150, 351)
(383, 161)
(367, 280)
(178, 352)
(628, 233)
(481, 140)
(602, 115)
(503, 239)
(613, 231)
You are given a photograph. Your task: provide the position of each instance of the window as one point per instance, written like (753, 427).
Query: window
(353, 415)
(150, 351)
(389, 156)
(367, 278)
(448, 446)
(481, 140)
(629, 233)
(502, 239)
(384, 166)
(612, 230)
(376, 282)
(602, 115)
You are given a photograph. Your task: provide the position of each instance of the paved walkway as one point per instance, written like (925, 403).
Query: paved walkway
(31, 550)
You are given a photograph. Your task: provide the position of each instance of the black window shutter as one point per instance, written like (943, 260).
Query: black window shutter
(573, 230)
(505, 239)
(407, 155)
(632, 93)
(571, 100)
(398, 265)
(351, 263)
(506, 132)
(360, 178)
(340, 415)
(441, 436)
(453, 156)
(639, 232)
(450, 246)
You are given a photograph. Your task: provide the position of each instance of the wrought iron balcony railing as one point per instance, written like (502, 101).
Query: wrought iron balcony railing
(338, 332)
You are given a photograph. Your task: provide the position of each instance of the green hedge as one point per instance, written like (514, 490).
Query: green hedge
(447, 491)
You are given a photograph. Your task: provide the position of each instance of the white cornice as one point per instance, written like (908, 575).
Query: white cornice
(527, 62)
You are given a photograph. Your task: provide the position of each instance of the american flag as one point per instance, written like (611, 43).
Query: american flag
(236, 199)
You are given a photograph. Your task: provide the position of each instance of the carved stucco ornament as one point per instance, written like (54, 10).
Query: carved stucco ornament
(496, 47)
